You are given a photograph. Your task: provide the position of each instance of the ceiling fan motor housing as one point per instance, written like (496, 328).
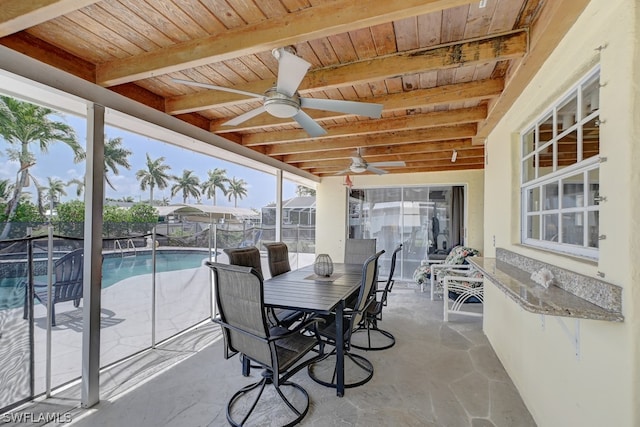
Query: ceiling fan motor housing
(358, 168)
(280, 105)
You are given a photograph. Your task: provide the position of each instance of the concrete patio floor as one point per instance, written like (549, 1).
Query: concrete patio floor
(437, 374)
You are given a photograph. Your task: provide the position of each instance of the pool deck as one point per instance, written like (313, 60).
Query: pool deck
(183, 300)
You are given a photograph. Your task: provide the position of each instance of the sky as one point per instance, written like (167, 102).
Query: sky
(58, 163)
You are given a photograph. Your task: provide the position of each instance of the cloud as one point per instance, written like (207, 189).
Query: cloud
(74, 173)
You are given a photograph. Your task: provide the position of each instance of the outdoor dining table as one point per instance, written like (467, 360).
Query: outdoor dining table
(303, 290)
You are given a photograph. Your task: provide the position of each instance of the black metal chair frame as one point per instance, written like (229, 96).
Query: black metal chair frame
(373, 315)
(353, 317)
(296, 344)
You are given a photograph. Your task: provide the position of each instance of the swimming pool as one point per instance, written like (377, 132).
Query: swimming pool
(115, 268)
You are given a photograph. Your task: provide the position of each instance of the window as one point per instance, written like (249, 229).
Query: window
(560, 166)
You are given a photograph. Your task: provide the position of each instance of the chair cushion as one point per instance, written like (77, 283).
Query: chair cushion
(459, 254)
(472, 273)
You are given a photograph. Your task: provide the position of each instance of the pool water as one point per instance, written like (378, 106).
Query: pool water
(114, 269)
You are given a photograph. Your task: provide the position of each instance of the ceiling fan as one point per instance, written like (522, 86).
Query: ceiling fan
(359, 165)
(283, 100)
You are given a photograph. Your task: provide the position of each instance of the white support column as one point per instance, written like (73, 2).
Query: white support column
(279, 206)
(94, 196)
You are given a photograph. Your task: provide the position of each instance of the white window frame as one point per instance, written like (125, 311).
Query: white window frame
(556, 177)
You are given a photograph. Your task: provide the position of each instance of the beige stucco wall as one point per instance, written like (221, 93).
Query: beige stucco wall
(332, 204)
(601, 385)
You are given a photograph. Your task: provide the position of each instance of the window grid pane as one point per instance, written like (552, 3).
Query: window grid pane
(561, 208)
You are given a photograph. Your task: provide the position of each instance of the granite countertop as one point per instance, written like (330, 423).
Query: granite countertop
(554, 301)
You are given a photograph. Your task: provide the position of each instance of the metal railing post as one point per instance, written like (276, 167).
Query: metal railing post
(298, 245)
(29, 296)
(211, 245)
(49, 305)
(153, 287)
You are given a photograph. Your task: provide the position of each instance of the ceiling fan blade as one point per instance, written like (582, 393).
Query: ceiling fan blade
(245, 116)
(341, 106)
(214, 87)
(389, 164)
(376, 170)
(308, 124)
(291, 71)
(347, 170)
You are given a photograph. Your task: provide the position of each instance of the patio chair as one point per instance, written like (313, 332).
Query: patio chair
(369, 323)
(250, 257)
(357, 251)
(360, 370)
(246, 257)
(278, 256)
(460, 292)
(67, 283)
(279, 351)
(433, 271)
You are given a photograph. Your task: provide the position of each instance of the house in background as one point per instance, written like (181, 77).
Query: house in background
(298, 223)
(300, 210)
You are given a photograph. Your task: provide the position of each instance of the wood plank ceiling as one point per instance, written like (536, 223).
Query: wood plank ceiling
(440, 68)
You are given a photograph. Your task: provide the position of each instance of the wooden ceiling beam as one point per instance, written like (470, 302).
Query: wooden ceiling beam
(419, 121)
(424, 168)
(468, 52)
(18, 15)
(473, 155)
(380, 151)
(306, 24)
(389, 138)
(408, 100)
(47, 53)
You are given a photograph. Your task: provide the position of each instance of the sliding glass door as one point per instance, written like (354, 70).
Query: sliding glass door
(428, 220)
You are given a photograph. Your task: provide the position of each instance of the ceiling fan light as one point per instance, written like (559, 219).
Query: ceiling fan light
(281, 108)
(281, 105)
(355, 168)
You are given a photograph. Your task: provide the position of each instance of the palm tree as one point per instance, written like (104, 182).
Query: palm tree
(79, 185)
(53, 192)
(237, 188)
(6, 188)
(154, 176)
(301, 191)
(217, 180)
(189, 184)
(21, 124)
(115, 155)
